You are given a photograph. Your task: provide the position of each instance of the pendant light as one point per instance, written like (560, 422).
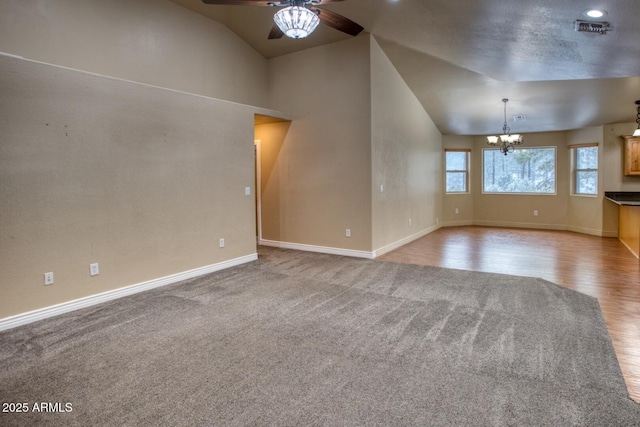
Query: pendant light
(506, 141)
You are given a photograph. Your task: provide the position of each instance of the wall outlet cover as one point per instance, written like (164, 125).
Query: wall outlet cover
(94, 269)
(48, 278)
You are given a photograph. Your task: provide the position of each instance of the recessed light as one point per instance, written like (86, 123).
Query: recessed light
(594, 13)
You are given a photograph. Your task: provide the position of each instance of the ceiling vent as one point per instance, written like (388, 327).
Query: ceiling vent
(592, 27)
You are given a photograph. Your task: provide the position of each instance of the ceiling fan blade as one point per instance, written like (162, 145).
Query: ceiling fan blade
(275, 33)
(337, 21)
(262, 2)
(241, 2)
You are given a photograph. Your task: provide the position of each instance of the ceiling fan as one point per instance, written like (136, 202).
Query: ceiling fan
(298, 18)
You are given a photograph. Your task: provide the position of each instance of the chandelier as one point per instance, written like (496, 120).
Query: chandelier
(506, 141)
(637, 131)
(296, 22)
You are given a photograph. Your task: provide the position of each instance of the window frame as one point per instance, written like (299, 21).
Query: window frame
(573, 150)
(466, 172)
(540, 147)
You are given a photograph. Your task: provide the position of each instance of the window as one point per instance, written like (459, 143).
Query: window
(457, 170)
(525, 171)
(584, 158)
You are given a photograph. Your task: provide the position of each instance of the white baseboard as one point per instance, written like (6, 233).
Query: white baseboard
(590, 231)
(457, 223)
(66, 307)
(349, 252)
(319, 249)
(388, 248)
(527, 225)
(581, 230)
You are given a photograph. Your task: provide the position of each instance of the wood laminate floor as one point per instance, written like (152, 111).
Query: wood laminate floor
(598, 266)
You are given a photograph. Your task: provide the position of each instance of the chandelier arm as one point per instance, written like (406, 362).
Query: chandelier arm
(507, 142)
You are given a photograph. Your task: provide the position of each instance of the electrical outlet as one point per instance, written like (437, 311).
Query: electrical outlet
(94, 269)
(535, 212)
(410, 222)
(381, 188)
(457, 210)
(348, 232)
(247, 191)
(48, 278)
(222, 243)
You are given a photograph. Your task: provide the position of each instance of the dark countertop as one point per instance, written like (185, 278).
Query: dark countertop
(624, 198)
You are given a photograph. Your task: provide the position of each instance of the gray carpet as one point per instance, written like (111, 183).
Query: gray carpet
(302, 339)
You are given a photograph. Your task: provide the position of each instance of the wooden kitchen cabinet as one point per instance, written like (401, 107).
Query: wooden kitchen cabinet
(632, 155)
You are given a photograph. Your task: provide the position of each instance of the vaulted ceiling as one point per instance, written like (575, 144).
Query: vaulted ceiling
(461, 57)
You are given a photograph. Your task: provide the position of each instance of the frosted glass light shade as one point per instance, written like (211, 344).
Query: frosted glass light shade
(515, 139)
(296, 22)
(505, 139)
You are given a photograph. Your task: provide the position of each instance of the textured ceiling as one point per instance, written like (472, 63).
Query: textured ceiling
(461, 57)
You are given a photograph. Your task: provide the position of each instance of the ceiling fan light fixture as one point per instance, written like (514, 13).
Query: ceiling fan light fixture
(595, 13)
(296, 22)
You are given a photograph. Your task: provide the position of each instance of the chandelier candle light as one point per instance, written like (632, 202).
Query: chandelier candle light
(506, 141)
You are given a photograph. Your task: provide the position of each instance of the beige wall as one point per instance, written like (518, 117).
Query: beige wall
(563, 211)
(323, 165)
(148, 41)
(406, 158)
(463, 202)
(271, 137)
(359, 129)
(517, 210)
(142, 180)
(585, 212)
(509, 210)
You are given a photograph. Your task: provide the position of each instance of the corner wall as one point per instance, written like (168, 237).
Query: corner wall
(585, 212)
(458, 209)
(271, 137)
(406, 158)
(323, 163)
(516, 210)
